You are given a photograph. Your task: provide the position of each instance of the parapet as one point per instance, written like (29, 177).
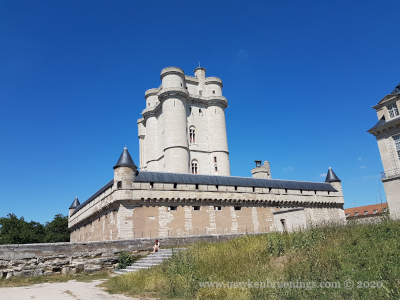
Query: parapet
(171, 70)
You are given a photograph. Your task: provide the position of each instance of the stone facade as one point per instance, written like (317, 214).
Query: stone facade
(183, 127)
(183, 145)
(387, 134)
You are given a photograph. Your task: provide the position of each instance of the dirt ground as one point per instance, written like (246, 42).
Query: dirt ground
(71, 290)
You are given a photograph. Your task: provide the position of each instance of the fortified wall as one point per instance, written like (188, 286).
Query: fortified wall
(69, 258)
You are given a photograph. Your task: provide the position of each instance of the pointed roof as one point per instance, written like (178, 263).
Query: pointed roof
(75, 204)
(396, 91)
(125, 160)
(331, 176)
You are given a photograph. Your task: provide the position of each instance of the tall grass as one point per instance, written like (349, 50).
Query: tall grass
(361, 253)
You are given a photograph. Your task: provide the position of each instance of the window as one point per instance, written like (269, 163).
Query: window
(196, 207)
(194, 167)
(375, 211)
(216, 186)
(213, 92)
(175, 185)
(217, 208)
(172, 207)
(393, 111)
(197, 186)
(356, 213)
(396, 140)
(200, 112)
(384, 210)
(238, 208)
(216, 168)
(254, 189)
(347, 215)
(215, 159)
(365, 212)
(200, 93)
(235, 188)
(119, 184)
(151, 184)
(192, 135)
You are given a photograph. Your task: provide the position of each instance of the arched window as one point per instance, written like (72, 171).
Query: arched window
(194, 167)
(192, 135)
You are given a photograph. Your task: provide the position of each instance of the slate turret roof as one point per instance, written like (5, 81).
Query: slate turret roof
(125, 160)
(75, 204)
(331, 176)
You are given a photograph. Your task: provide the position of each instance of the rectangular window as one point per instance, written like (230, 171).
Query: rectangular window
(215, 159)
(396, 140)
(356, 213)
(393, 111)
(196, 207)
(217, 208)
(238, 208)
(172, 207)
(119, 184)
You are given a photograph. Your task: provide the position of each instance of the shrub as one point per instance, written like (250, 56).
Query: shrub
(125, 259)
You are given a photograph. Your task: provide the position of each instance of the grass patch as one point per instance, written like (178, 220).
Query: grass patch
(361, 253)
(83, 277)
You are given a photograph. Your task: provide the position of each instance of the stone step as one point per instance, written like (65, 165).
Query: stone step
(150, 260)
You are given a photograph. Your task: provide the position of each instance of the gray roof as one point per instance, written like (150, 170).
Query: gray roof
(331, 176)
(125, 160)
(94, 196)
(146, 176)
(381, 122)
(396, 91)
(75, 204)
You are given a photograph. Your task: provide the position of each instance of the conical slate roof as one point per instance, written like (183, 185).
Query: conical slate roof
(396, 91)
(331, 176)
(125, 160)
(75, 204)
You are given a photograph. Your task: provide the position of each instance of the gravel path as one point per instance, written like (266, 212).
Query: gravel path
(71, 290)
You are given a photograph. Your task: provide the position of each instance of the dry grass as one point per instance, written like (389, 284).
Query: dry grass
(327, 254)
(18, 281)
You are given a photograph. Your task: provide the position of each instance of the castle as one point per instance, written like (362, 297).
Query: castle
(184, 187)
(387, 134)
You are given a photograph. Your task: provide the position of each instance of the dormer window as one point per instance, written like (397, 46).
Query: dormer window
(356, 213)
(393, 111)
(365, 212)
(375, 211)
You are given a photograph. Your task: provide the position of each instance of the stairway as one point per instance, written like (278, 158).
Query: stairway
(150, 260)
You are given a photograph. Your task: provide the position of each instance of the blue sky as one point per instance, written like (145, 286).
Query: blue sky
(300, 78)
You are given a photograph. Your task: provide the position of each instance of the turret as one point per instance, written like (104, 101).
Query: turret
(175, 142)
(124, 171)
(261, 171)
(74, 205)
(334, 181)
(200, 73)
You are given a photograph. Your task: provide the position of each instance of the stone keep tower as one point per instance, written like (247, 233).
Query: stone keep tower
(387, 134)
(183, 127)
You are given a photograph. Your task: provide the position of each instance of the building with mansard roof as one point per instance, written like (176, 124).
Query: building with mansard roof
(183, 185)
(387, 134)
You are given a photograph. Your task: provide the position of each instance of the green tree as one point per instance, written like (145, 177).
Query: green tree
(18, 231)
(57, 230)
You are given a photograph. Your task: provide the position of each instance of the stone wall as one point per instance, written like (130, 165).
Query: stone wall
(69, 258)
